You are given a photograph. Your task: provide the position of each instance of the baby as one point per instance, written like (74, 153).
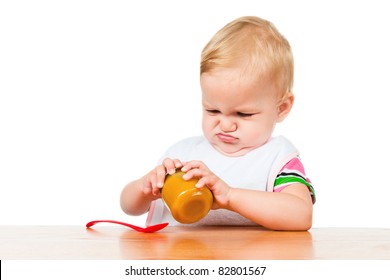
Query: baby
(246, 77)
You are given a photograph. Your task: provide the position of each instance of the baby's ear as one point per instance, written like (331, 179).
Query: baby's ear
(285, 106)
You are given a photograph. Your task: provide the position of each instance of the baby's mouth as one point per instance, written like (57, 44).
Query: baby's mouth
(226, 138)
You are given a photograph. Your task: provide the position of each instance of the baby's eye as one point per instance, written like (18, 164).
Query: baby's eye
(244, 115)
(212, 112)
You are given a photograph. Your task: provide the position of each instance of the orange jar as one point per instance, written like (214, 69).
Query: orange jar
(187, 203)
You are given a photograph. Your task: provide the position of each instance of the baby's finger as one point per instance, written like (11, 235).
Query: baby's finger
(147, 190)
(154, 181)
(156, 191)
(153, 186)
(160, 176)
(170, 165)
(194, 173)
(192, 165)
(178, 163)
(147, 186)
(207, 181)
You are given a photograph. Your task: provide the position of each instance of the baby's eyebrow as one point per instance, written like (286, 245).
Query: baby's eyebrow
(205, 104)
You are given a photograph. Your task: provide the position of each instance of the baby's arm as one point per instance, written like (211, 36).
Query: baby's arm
(137, 196)
(134, 200)
(289, 209)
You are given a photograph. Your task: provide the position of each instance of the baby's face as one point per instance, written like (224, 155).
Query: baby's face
(239, 115)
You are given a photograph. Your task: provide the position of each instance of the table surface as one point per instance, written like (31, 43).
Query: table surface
(116, 242)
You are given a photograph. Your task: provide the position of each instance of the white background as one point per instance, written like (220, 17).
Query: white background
(93, 92)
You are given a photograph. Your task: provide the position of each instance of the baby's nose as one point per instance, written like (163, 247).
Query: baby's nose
(228, 124)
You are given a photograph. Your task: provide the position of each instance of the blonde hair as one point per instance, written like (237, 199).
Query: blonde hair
(254, 44)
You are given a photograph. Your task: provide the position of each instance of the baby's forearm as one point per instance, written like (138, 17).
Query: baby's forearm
(278, 211)
(133, 201)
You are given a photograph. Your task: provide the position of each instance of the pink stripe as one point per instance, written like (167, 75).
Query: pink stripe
(281, 188)
(295, 164)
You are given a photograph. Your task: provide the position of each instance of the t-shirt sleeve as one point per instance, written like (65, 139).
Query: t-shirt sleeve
(291, 173)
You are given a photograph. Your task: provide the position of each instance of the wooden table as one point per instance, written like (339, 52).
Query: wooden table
(116, 242)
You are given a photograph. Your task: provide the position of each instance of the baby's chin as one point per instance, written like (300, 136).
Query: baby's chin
(232, 150)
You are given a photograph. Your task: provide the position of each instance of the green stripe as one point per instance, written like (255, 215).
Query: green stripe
(294, 179)
(290, 179)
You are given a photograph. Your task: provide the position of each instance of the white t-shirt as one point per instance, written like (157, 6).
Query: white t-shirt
(255, 170)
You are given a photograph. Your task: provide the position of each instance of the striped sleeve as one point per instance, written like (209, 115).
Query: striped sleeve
(293, 172)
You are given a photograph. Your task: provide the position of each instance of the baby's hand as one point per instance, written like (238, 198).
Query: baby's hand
(220, 190)
(154, 180)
